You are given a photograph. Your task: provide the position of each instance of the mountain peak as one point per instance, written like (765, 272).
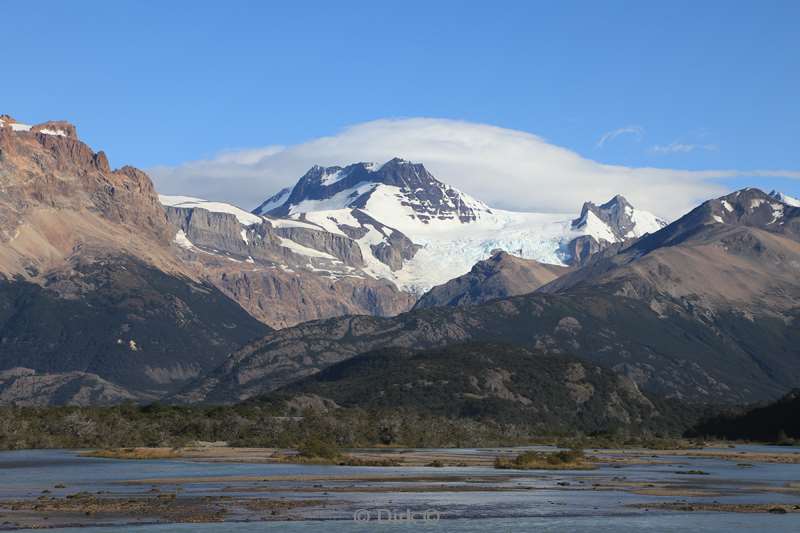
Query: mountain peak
(617, 202)
(750, 207)
(398, 186)
(745, 208)
(398, 161)
(785, 198)
(615, 220)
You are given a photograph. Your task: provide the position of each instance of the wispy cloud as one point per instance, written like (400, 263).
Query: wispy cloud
(682, 148)
(506, 168)
(609, 136)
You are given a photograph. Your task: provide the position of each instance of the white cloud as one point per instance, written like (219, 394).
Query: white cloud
(608, 136)
(679, 147)
(505, 168)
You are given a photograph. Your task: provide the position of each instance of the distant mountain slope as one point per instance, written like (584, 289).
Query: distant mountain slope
(706, 309)
(507, 384)
(680, 357)
(741, 251)
(25, 387)
(500, 276)
(125, 321)
(773, 422)
(93, 298)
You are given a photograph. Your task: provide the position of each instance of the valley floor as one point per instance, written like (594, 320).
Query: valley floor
(453, 457)
(246, 488)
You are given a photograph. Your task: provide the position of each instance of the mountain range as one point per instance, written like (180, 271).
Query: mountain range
(705, 309)
(371, 239)
(110, 292)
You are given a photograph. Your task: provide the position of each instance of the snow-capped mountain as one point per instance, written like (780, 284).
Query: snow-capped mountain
(785, 198)
(397, 183)
(616, 220)
(444, 231)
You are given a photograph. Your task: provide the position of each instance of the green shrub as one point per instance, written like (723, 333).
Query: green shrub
(544, 460)
(318, 448)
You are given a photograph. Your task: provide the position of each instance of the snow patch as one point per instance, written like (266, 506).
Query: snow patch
(777, 213)
(592, 225)
(276, 201)
(16, 126)
(48, 131)
(330, 179)
(188, 202)
(339, 200)
(182, 240)
(290, 223)
(304, 250)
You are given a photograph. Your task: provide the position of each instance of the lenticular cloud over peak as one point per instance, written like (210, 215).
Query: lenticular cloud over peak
(505, 168)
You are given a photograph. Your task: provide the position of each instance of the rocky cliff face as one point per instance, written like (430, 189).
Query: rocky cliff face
(341, 247)
(92, 294)
(283, 299)
(282, 272)
(46, 172)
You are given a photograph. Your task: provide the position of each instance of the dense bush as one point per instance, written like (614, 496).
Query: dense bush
(254, 424)
(544, 460)
(777, 422)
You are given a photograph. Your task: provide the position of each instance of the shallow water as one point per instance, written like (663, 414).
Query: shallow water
(677, 522)
(551, 501)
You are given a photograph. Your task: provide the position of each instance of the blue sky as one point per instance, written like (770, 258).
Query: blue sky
(686, 85)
